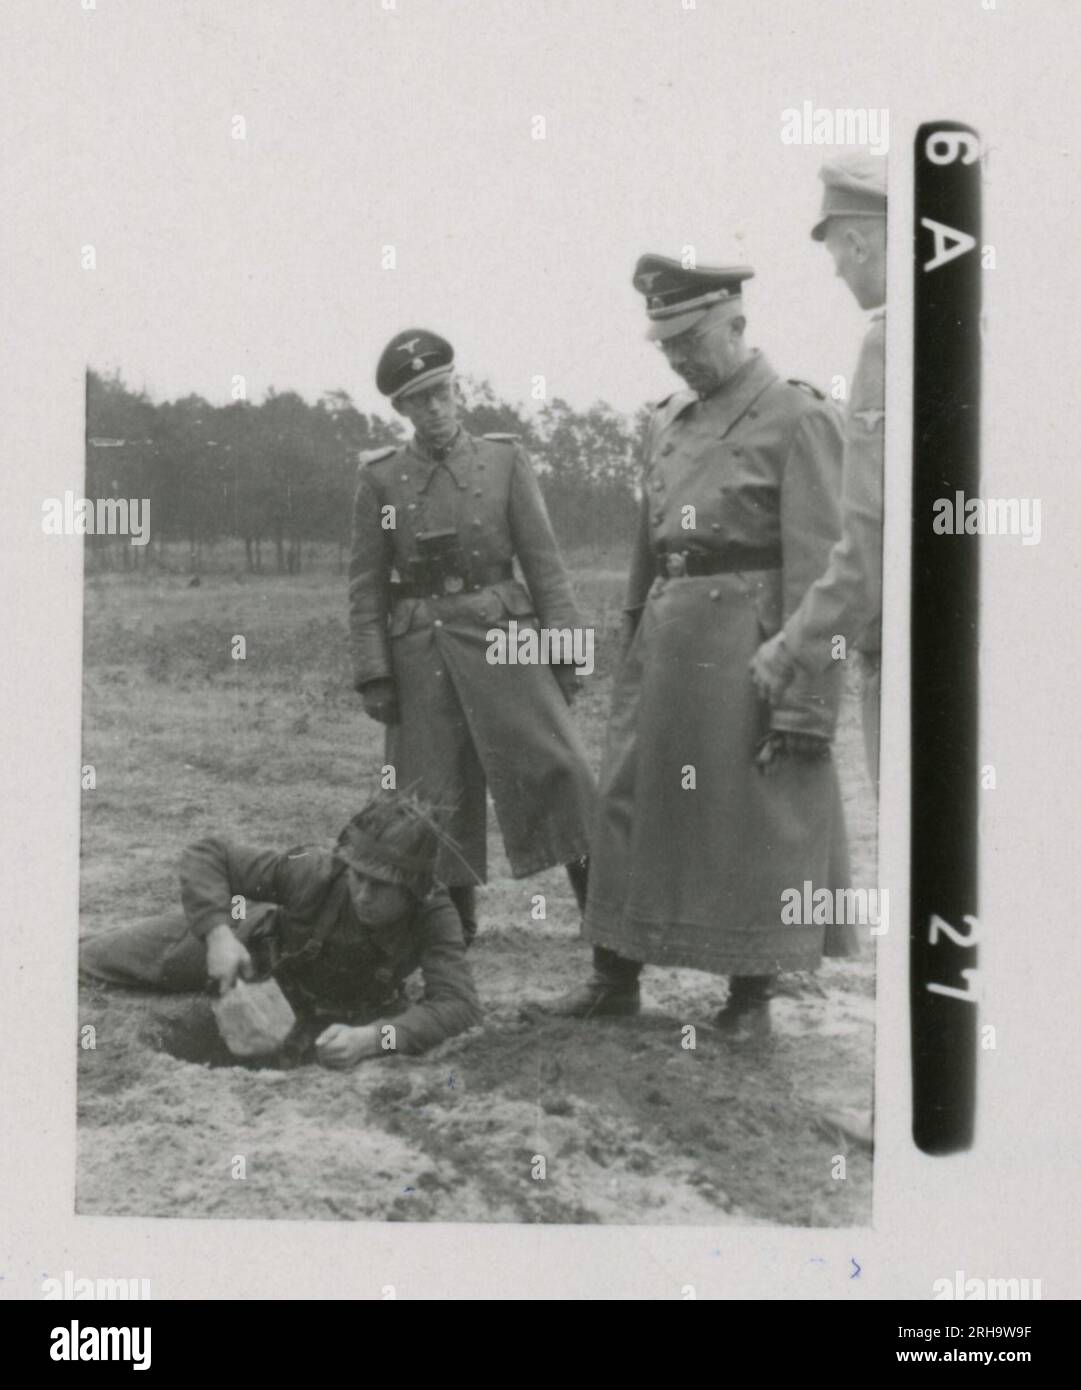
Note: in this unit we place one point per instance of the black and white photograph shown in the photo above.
(538, 678)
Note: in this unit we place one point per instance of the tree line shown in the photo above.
(279, 475)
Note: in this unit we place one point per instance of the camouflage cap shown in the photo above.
(394, 838)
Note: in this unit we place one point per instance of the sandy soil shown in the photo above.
(632, 1126)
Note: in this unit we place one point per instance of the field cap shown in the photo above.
(854, 186)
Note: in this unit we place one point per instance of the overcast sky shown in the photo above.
(412, 127)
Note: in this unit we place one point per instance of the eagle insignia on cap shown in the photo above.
(413, 358)
(678, 295)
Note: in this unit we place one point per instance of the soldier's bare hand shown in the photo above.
(340, 1046)
(772, 669)
(226, 958)
(381, 701)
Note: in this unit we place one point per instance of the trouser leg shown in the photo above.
(464, 898)
(155, 953)
(578, 873)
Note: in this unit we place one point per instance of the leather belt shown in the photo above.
(691, 564)
(448, 585)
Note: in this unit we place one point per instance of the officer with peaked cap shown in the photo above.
(847, 600)
(338, 929)
(437, 525)
(710, 802)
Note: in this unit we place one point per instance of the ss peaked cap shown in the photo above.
(678, 296)
(413, 358)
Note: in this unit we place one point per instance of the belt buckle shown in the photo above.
(676, 565)
(453, 584)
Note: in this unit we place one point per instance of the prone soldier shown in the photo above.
(338, 931)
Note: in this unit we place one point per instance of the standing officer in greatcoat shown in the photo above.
(846, 602)
(437, 526)
(712, 802)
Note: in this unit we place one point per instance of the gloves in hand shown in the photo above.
(778, 744)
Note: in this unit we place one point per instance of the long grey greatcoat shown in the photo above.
(466, 723)
(694, 877)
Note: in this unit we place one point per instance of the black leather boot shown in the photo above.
(578, 873)
(745, 1017)
(610, 992)
(464, 898)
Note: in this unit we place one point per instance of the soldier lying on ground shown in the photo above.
(339, 930)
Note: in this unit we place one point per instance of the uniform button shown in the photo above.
(412, 507)
(438, 622)
(476, 554)
(439, 673)
(476, 521)
(405, 477)
(714, 593)
(461, 487)
(714, 525)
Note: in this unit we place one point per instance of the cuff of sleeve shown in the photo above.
(798, 653)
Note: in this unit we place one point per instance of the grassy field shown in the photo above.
(275, 749)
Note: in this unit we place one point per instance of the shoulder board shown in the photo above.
(806, 386)
(374, 455)
(503, 438)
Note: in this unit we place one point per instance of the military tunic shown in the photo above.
(693, 846)
(467, 724)
(847, 600)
